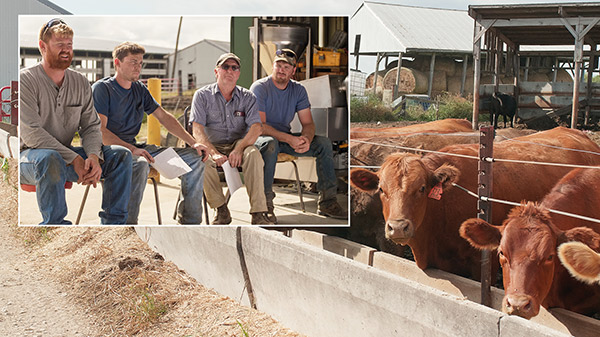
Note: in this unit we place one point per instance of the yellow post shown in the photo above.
(153, 124)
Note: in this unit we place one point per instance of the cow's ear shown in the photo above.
(581, 261)
(480, 234)
(446, 175)
(364, 180)
(582, 234)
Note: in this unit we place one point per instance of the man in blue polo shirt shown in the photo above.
(121, 102)
(279, 98)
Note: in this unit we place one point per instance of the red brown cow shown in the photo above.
(366, 212)
(430, 226)
(581, 260)
(367, 151)
(441, 126)
(527, 243)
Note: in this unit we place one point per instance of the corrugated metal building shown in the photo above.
(93, 57)
(392, 31)
(195, 64)
(9, 51)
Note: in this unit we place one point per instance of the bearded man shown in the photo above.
(56, 102)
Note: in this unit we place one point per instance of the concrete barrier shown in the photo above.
(320, 293)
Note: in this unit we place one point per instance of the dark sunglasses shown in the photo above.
(51, 23)
(227, 66)
(287, 53)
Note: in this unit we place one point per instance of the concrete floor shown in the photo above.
(287, 206)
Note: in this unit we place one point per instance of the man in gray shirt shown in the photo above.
(225, 118)
(56, 102)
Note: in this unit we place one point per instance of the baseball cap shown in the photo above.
(228, 56)
(286, 55)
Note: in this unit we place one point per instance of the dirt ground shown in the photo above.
(104, 282)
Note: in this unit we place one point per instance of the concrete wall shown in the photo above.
(319, 293)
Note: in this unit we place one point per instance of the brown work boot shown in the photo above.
(333, 210)
(223, 217)
(271, 214)
(260, 218)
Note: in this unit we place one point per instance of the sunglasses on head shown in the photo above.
(51, 23)
(287, 53)
(227, 66)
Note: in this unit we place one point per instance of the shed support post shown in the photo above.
(478, 33)
(484, 208)
(590, 75)
(397, 84)
(376, 73)
(578, 59)
(431, 68)
(464, 75)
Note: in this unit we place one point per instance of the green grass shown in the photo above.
(370, 109)
(242, 327)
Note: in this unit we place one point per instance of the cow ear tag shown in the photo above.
(436, 192)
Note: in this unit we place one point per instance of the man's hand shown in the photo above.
(79, 167)
(142, 153)
(300, 144)
(202, 150)
(93, 171)
(219, 158)
(88, 171)
(304, 146)
(235, 158)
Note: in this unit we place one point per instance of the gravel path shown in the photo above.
(30, 304)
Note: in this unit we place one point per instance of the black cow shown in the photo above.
(502, 104)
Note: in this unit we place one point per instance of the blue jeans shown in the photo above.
(47, 170)
(320, 147)
(189, 209)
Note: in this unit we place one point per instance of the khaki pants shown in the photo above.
(252, 167)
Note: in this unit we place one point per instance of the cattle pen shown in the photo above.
(489, 159)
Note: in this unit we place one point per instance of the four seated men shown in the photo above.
(229, 123)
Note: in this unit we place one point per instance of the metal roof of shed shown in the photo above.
(399, 28)
(539, 24)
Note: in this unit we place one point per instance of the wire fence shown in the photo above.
(488, 159)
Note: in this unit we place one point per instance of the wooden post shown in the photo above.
(376, 74)
(485, 179)
(395, 94)
(464, 75)
(431, 69)
(477, 73)
(577, 80)
(590, 75)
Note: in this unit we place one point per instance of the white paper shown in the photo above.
(232, 177)
(169, 164)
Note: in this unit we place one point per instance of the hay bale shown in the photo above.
(411, 80)
(454, 85)
(563, 76)
(447, 65)
(370, 80)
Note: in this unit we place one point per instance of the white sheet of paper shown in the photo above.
(169, 164)
(232, 177)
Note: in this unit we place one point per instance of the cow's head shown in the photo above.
(403, 183)
(526, 244)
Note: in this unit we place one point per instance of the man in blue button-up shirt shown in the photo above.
(225, 118)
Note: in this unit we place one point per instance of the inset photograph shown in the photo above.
(230, 120)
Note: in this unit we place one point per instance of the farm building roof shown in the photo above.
(399, 28)
(540, 24)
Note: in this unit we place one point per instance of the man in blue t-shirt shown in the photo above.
(121, 102)
(279, 98)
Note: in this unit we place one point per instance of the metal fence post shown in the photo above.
(484, 208)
